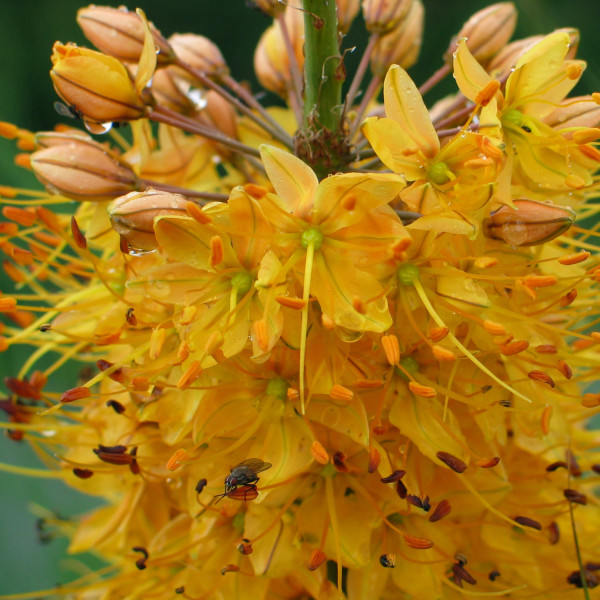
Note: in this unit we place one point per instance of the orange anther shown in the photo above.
(196, 212)
(488, 463)
(216, 251)
(443, 354)
(546, 415)
(23, 217)
(587, 135)
(319, 453)
(188, 314)
(417, 543)
(488, 92)
(536, 281)
(494, 328)
(75, 394)
(289, 302)
(215, 340)
(564, 368)
(177, 459)
(590, 400)
(339, 392)
(8, 130)
(358, 305)
(391, 348)
(437, 334)
(317, 558)
(349, 201)
(261, 334)
(140, 384)
(595, 335)
(573, 71)
(368, 384)
(48, 218)
(191, 374)
(256, 191)
(514, 347)
(568, 298)
(541, 376)
(292, 394)
(374, 460)
(546, 349)
(23, 160)
(423, 391)
(157, 340)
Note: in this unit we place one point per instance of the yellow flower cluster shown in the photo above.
(363, 383)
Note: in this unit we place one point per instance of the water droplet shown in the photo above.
(97, 128)
(138, 251)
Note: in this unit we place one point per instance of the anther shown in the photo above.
(564, 368)
(424, 391)
(140, 563)
(374, 460)
(456, 464)
(78, 237)
(73, 394)
(395, 476)
(82, 473)
(289, 302)
(391, 348)
(130, 317)
(261, 334)
(574, 496)
(339, 462)
(319, 453)
(317, 558)
(217, 251)
(191, 374)
(417, 543)
(527, 522)
(441, 510)
(488, 463)
(200, 485)
(573, 259)
(245, 547)
(339, 392)
(116, 406)
(541, 376)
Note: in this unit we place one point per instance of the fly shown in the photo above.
(244, 474)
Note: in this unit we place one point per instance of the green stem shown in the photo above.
(323, 68)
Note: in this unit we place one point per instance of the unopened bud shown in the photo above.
(346, 13)
(508, 56)
(169, 90)
(199, 53)
(221, 114)
(119, 32)
(383, 16)
(270, 7)
(529, 223)
(80, 168)
(96, 85)
(132, 216)
(272, 61)
(487, 31)
(574, 113)
(401, 46)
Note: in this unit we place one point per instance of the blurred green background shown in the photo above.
(28, 29)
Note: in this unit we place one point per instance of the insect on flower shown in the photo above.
(244, 474)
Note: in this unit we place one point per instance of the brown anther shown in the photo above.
(289, 302)
(196, 212)
(456, 464)
(116, 375)
(191, 374)
(460, 574)
(493, 575)
(442, 510)
(339, 392)
(558, 464)
(114, 455)
(116, 406)
(317, 558)
(573, 259)
(130, 317)
(553, 533)
(387, 560)
(527, 522)
(573, 465)
(575, 497)
(568, 298)
(200, 485)
(443, 354)
(590, 400)
(78, 237)
(245, 547)
(395, 476)
(217, 251)
(180, 589)
(261, 334)
(73, 394)
(140, 563)
(437, 334)
(22, 388)
(591, 580)
(514, 347)
(38, 379)
(541, 376)
(319, 453)
(230, 568)
(424, 391)
(374, 460)
(546, 349)
(82, 473)
(401, 490)
(416, 542)
(339, 462)
(245, 493)
(488, 463)
(391, 347)
(596, 468)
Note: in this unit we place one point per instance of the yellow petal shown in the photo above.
(395, 148)
(404, 104)
(293, 180)
(147, 62)
(470, 76)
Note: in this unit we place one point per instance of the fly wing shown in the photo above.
(255, 465)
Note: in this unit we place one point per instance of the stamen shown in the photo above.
(317, 558)
(339, 392)
(527, 522)
(319, 453)
(456, 464)
(417, 543)
(541, 376)
(424, 391)
(442, 510)
(191, 374)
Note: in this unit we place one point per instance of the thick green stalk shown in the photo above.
(323, 67)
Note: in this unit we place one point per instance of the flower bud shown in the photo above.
(119, 32)
(574, 112)
(271, 60)
(79, 168)
(220, 113)
(383, 16)
(487, 31)
(529, 223)
(132, 216)
(346, 13)
(509, 55)
(96, 85)
(198, 52)
(169, 90)
(402, 45)
(270, 7)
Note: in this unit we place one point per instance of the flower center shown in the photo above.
(311, 237)
(439, 173)
(242, 281)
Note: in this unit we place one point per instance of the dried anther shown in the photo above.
(493, 575)
(456, 464)
(339, 461)
(416, 501)
(395, 476)
(527, 522)
(387, 560)
(559, 464)
(575, 496)
(140, 563)
(114, 455)
(82, 473)
(116, 406)
(591, 579)
(441, 510)
(401, 489)
(245, 547)
(460, 574)
(200, 485)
